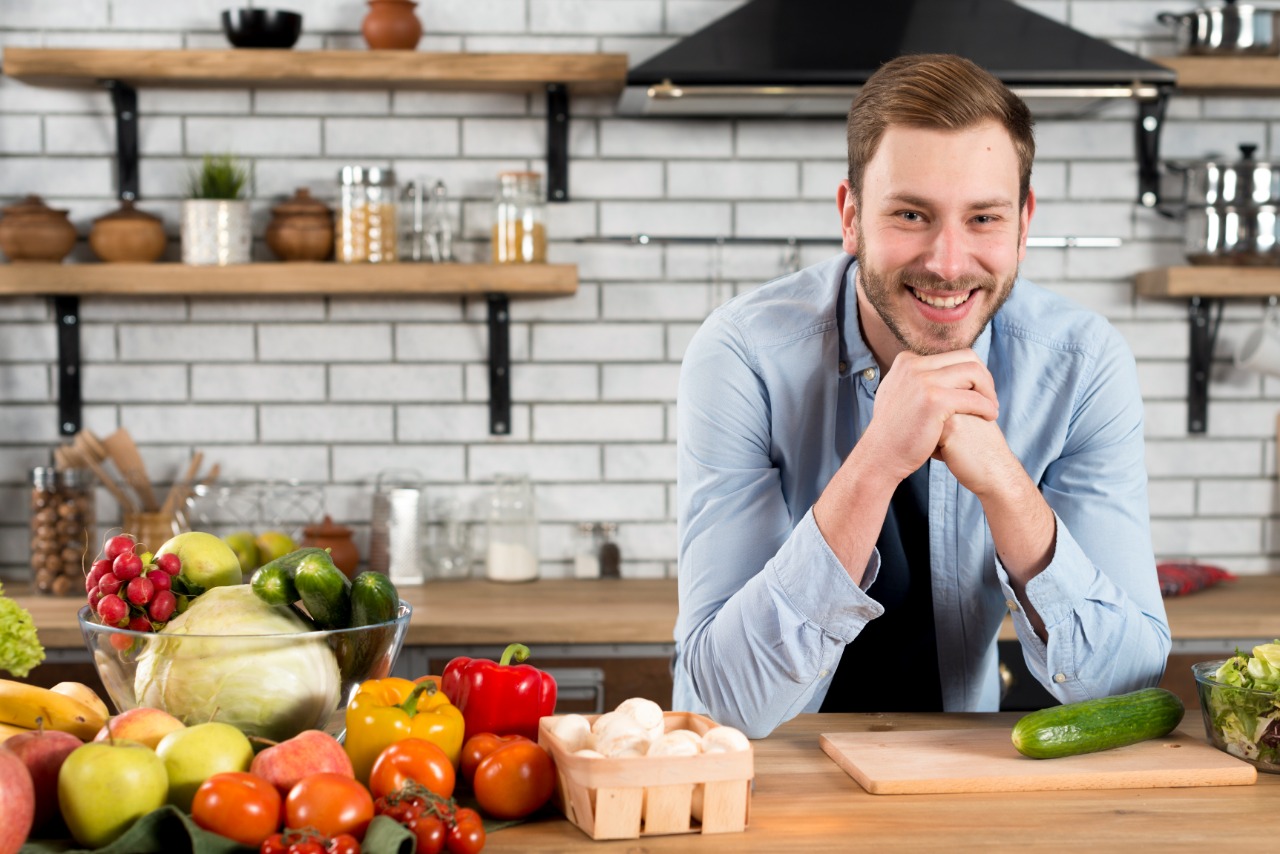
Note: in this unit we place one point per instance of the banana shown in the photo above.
(7, 730)
(25, 705)
(85, 694)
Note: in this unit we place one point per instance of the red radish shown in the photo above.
(127, 566)
(170, 563)
(140, 590)
(109, 583)
(112, 610)
(163, 606)
(161, 579)
(118, 545)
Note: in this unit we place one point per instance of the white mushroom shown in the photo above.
(623, 741)
(679, 742)
(592, 754)
(724, 739)
(603, 722)
(647, 713)
(574, 731)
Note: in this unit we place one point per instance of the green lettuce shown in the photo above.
(20, 649)
(1249, 720)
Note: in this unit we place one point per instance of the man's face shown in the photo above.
(938, 235)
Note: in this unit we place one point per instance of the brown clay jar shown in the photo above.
(127, 235)
(301, 228)
(337, 539)
(391, 25)
(32, 231)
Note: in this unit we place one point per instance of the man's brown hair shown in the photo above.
(941, 91)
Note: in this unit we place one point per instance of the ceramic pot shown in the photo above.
(215, 232)
(301, 229)
(391, 25)
(337, 539)
(32, 231)
(128, 235)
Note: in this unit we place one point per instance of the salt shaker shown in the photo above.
(513, 531)
(586, 557)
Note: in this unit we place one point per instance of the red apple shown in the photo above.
(43, 752)
(19, 798)
(309, 752)
(143, 725)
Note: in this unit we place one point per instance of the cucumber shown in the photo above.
(374, 599)
(1091, 725)
(274, 585)
(325, 591)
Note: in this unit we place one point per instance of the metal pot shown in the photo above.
(1230, 209)
(1230, 29)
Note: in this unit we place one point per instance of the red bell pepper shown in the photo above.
(498, 696)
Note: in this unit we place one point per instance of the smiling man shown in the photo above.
(882, 455)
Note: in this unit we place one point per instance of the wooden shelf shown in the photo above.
(583, 73)
(1211, 282)
(1225, 74)
(292, 278)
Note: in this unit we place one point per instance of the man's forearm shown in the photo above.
(851, 511)
(1024, 531)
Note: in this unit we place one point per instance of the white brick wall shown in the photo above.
(331, 391)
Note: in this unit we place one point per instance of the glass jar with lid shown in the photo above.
(519, 228)
(512, 527)
(366, 215)
(62, 529)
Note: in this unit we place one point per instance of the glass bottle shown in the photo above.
(519, 230)
(367, 216)
(512, 528)
(62, 529)
(610, 554)
(449, 541)
(439, 229)
(586, 554)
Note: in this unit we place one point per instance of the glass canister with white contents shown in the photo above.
(512, 528)
(366, 226)
(519, 227)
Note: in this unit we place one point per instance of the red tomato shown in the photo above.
(514, 780)
(344, 843)
(466, 834)
(478, 747)
(306, 847)
(430, 832)
(239, 806)
(331, 803)
(274, 844)
(412, 759)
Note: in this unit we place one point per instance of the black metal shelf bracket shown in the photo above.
(499, 365)
(125, 100)
(557, 142)
(1147, 140)
(1204, 332)
(66, 310)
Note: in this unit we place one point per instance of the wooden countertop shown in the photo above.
(803, 801)
(549, 611)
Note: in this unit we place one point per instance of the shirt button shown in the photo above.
(1059, 678)
(869, 374)
(844, 366)
(1011, 604)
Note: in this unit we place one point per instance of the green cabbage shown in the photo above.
(233, 658)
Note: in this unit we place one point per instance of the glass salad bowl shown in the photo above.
(1244, 722)
(269, 685)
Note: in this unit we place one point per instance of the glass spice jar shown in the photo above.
(62, 529)
(366, 227)
(519, 229)
(513, 531)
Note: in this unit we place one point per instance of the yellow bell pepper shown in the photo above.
(384, 711)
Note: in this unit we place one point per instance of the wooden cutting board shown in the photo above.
(984, 760)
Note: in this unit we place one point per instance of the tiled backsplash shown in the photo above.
(330, 391)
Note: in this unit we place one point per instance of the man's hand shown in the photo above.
(977, 454)
(919, 396)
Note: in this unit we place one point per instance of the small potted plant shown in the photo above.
(215, 219)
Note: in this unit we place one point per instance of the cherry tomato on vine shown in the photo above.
(466, 833)
(307, 847)
(514, 780)
(412, 759)
(430, 832)
(344, 843)
(331, 803)
(238, 805)
(478, 747)
(274, 844)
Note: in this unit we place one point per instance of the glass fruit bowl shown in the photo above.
(268, 685)
(1244, 722)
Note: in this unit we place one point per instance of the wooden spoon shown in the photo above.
(74, 457)
(181, 488)
(124, 453)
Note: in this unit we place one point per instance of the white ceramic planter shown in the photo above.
(215, 232)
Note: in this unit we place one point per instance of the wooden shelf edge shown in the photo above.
(1224, 74)
(584, 73)
(1206, 281)
(301, 279)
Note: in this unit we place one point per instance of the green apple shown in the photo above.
(206, 560)
(274, 544)
(105, 786)
(195, 754)
(246, 549)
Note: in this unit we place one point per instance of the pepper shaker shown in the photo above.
(610, 554)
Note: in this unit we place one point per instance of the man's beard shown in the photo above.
(881, 288)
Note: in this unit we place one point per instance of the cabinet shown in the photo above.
(121, 71)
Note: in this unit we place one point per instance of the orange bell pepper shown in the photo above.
(384, 711)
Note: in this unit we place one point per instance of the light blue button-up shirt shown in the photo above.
(775, 389)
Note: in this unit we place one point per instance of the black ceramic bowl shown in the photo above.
(261, 27)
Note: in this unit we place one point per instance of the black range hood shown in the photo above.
(808, 57)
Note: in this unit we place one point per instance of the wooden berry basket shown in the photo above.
(634, 796)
